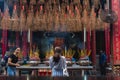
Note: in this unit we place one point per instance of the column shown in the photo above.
(24, 44)
(17, 39)
(93, 46)
(116, 33)
(107, 42)
(4, 41)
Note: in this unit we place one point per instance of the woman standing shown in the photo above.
(12, 63)
(57, 62)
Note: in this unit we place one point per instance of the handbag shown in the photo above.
(65, 72)
(3, 63)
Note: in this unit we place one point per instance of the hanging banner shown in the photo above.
(116, 33)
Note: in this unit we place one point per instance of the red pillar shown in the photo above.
(107, 42)
(116, 33)
(4, 42)
(17, 39)
(24, 43)
(93, 44)
(88, 40)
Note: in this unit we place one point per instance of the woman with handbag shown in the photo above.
(58, 63)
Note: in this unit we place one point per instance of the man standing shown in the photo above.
(12, 63)
(102, 62)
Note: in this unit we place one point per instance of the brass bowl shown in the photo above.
(33, 63)
(46, 62)
(69, 63)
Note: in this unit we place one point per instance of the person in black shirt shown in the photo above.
(12, 63)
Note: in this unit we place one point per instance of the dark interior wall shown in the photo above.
(11, 39)
(45, 40)
(11, 36)
(42, 42)
(100, 41)
(70, 38)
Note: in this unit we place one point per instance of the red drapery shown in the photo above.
(107, 42)
(24, 43)
(4, 42)
(93, 44)
(116, 33)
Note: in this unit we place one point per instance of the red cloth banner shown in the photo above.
(93, 44)
(107, 42)
(4, 42)
(24, 43)
(116, 33)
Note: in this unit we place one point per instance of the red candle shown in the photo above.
(49, 72)
(40, 72)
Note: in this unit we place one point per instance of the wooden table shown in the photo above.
(29, 68)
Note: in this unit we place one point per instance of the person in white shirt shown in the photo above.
(57, 62)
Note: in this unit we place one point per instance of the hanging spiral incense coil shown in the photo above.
(6, 23)
(15, 20)
(32, 2)
(53, 15)
(22, 20)
(92, 19)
